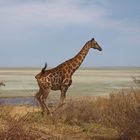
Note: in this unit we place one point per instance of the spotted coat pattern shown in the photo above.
(60, 77)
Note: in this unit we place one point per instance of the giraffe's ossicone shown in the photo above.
(60, 77)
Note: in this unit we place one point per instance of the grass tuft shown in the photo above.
(116, 117)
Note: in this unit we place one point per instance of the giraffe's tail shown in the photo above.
(42, 72)
(43, 69)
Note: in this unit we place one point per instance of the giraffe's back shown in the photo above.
(52, 78)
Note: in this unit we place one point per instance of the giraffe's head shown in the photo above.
(94, 44)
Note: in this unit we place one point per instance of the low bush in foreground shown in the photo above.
(116, 117)
(119, 111)
(123, 114)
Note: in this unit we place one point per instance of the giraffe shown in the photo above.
(2, 84)
(60, 77)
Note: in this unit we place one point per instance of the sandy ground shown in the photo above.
(86, 82)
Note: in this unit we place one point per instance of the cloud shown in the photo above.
(51, 13)
(59, 12)
(26, 26)
(18, 16)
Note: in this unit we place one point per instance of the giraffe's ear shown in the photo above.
(43, 69)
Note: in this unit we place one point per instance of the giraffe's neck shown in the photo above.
(77, 60)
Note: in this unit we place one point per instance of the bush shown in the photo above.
(118, 112)
(17, 128)
(76, 112)
(122, 112)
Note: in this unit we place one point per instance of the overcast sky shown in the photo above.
(35, 31)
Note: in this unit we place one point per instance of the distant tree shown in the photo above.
(136, 80)
(2, 84)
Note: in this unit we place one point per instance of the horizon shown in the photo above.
(83, 67)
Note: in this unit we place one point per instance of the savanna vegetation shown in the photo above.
(113, 117)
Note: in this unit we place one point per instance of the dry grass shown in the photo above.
(101, 118)
(120, 112)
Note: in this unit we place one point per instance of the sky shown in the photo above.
(33, 32)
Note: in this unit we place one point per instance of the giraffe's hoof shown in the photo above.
(43, 113)
(60, 105)
(51, 114)
(46, 114)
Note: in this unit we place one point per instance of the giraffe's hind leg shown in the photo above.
(41, 96)
(38, 97)
(43, 100)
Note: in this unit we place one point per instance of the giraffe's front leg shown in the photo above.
(62, 97)
(66, 84)
(63, 94)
